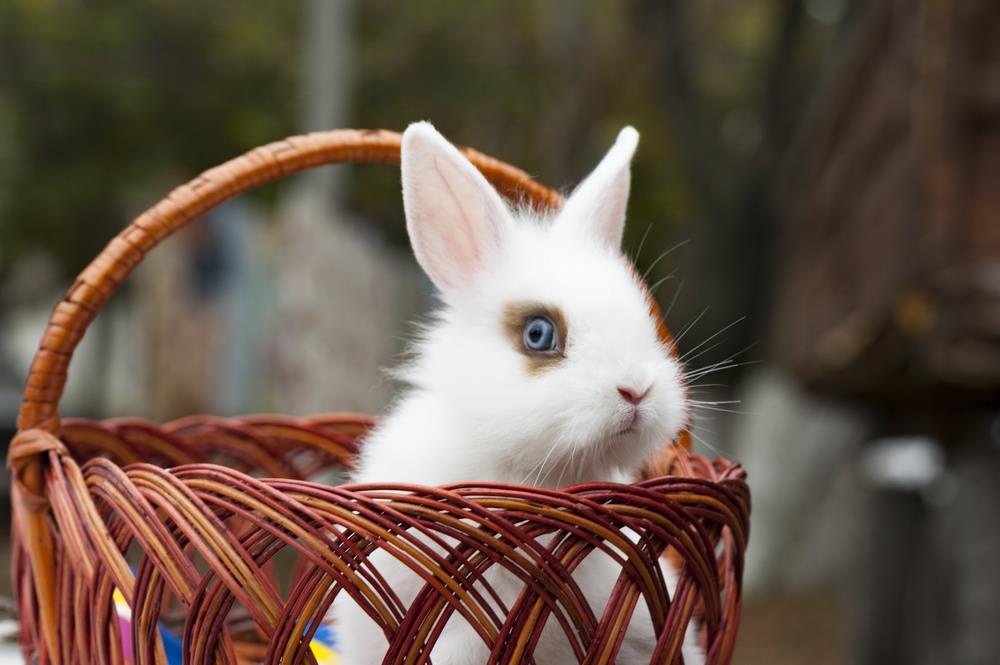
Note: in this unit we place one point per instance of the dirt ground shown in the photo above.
(793, 630)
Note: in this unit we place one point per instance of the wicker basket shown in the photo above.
(188, 520)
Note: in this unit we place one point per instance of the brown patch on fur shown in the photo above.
(517, 315)
(654, 309)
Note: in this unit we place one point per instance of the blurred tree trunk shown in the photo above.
(737, 223)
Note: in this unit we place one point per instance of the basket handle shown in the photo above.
(98, 281)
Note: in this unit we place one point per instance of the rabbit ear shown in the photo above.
(597, 206)
(455, 218)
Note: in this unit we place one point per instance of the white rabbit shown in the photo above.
(542, 367)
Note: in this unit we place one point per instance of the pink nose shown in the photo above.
(632, 396)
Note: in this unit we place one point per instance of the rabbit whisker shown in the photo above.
(705, 407)
(673, 301)
(541, 468)
(711, 369)
(662, 256)
(660, 281)
(642, 241)
(689, 326)
(711, 337)
(705, 443)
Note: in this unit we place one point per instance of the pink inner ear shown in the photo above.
(463, 241)
(449, 258)
(453, 215)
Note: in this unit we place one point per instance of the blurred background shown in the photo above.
(816, 192)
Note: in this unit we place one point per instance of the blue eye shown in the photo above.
(540, 335)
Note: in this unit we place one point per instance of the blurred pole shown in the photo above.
(895, 586)
(970, 541)
(327, 77)
(338, 290)
(928, 573)
(887, 579)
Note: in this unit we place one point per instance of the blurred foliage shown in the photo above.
(101, 102)
(105, 105)
(716, 88)
(545, 86)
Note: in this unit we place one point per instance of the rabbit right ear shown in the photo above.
(455, 218)
(597, 206)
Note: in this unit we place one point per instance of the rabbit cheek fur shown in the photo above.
(482, 406)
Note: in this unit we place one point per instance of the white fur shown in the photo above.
(475, 413)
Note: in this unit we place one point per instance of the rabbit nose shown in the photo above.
(631, 395)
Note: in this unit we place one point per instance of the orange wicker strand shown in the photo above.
(189, 521)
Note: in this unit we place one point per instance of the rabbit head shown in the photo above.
(544, 347)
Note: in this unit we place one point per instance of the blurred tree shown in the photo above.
(100, 102)
(716, 89)
(733, 80)
(545, 86)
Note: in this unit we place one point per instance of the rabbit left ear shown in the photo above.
(597, 206)
(456, 220)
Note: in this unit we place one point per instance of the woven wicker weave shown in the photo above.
(186, 520)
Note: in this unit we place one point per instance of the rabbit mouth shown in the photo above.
(631, 423)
